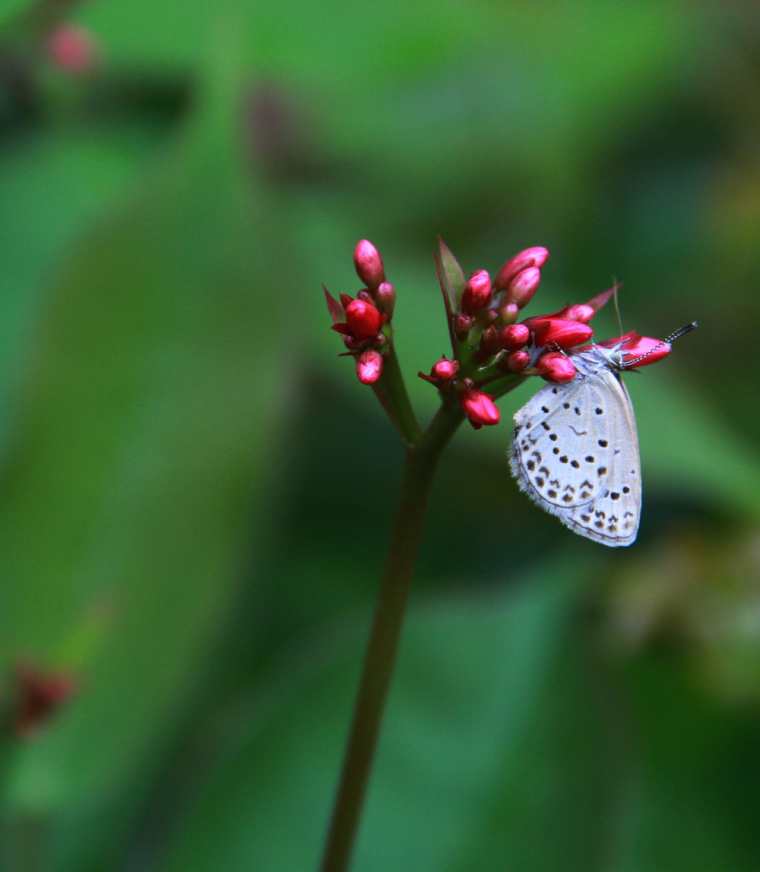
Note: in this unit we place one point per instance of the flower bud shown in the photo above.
(582, 312)
(369, 367)
(445, 369)
(529, 257)
(523, 286)
(560, 331)
(557, 367)
(477, 292)
(73, 49)
(385, 297)
(514, 336)
(479, 408)
(517, 361)
(490, 341)
(508, 313)
(40, 694)
(634, 346)
(462, 326)
(363, 319)
(369, 264)
(365, 295)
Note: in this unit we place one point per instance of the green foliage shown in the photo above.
(196, 492)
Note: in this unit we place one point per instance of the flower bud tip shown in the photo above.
(479, 408)
(369, 264)
(369, 367)
(556, 367)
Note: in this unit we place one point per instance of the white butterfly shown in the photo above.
(575, 451)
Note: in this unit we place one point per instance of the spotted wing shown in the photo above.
(562, 448)
(612, 516)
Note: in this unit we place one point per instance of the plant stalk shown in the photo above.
(380, 658)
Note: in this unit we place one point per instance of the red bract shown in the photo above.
(560, 331)
(528, 257)
(369, 367)
(477, 292)
(479, 408)
(363, 319)
(557, 367)
(515, 336)
(368, 263)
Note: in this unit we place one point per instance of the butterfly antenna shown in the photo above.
(676, 334)
(616, 304)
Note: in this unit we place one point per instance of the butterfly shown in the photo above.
(575, 449)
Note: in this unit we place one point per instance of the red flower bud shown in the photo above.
(490, 340)
(445, 369)
(369, 367)
(523, 286)
(462, 326)
(529, 257)
(557, 367)
(517, 361)
(582, 312)
(634, 346)
(40, 694)
(477, 292)
(515, 336)
(385, 297)
(368, 263)
(363, 319)
(479, 408)
(560, 331)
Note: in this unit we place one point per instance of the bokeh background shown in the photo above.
(195, 492)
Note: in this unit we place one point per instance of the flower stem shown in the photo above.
(421, 459)
(393, 396)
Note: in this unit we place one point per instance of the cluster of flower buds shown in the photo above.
(488, 341)
(361, 319)
(486, 325)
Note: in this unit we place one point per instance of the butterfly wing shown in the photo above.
(612, 517)
(575, 453)
(560, 444)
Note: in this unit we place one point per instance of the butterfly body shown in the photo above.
(575, 451)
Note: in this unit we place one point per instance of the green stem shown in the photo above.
(421, 459)
(392, 393)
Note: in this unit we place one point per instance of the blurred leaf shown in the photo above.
(142, 447)
(472, 683)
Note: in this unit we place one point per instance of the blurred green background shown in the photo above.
(195, 492)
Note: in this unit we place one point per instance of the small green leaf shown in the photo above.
(451, 280)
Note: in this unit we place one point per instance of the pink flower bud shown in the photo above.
(477, 292)
(368, 263)
(515, 336)
(445, 369)
(523, 286)
(385, 297)
(462, 326)
(479, 408)
(557, 367)
(363, 319)
(73, 49)
(365, 295)
(517, 361)
(369, 367)
(528, 257)
(560, 331)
